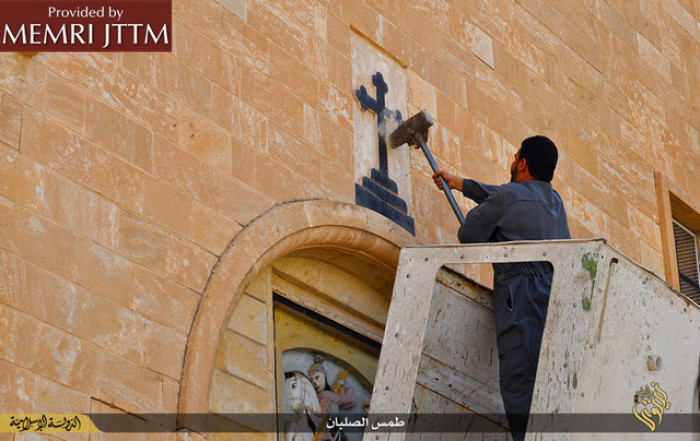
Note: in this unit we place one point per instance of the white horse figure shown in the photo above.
(304, 403)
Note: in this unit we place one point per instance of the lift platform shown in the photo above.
(620, 357)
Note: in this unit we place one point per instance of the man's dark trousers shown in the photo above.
(521, 295)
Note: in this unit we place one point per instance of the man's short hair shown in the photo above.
(541, 156)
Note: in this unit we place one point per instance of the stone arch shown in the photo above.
(282, 230)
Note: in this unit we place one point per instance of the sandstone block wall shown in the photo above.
(124, 176)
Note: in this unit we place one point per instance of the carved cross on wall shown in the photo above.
(378, 192)
(378, 106)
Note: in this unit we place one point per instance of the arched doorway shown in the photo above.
(334, 259)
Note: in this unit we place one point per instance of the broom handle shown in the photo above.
(445, 187)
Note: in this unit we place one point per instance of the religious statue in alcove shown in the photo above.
(332, 398)
(313, 400)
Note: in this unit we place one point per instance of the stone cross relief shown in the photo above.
(378, 106)
(379, 192)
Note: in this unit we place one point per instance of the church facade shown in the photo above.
(184, 233)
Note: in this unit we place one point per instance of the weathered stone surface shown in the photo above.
(54, 353)
(65, 103)
(10, 120)
(244, 358)
(189, 265)
(115, 132)
(227, 391)
(164, 350)
(162, 301)
(143, 243)
(209, 183)
(129, 385)
(249, 318)
(126, 177)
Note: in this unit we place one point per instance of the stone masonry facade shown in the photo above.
(124, 177)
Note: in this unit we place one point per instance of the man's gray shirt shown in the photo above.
(526, 210)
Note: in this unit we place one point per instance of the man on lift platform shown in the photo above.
(527, 208)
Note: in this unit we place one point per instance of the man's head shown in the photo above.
(536, 159)
(318, 379)
(318, 374)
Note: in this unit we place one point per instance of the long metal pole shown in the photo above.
(445, 188)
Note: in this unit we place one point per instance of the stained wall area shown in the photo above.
(125, 177)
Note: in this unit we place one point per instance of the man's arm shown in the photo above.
(483, 220)
(453, 181)
(474, 190)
